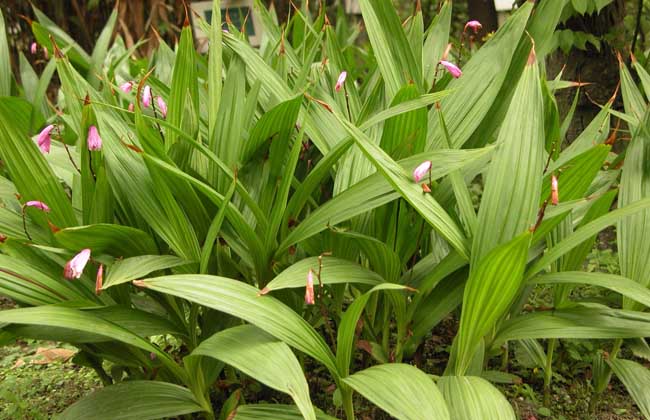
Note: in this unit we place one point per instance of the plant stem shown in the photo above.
(548, 371)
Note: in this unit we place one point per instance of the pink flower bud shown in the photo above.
(99, 280)
(162, 106)
(555, 193)
(146, 96)
(94, 141)
(131, 107)
(75, 267)
(421, 170)
(341, 80)
(309, 290)
(39, 205)
(475, 25)
(44, 140)
(126, 87)
(452, 69)
(33, 48)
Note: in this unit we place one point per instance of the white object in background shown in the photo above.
(504, 5)
(237, 10)
(352, 7)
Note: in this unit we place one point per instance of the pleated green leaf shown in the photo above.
(133, 268)
(584, 233)
(633, 232)
(435, 43)
(579, 322)
(262, 357)
(5, 60)
(184, 94)
(347, 327)
(333, 271)
(390, 45)
(510, 199)
(501, 269)
(376, 190)
(75, 319)
(27, 166)
(471, 397)
(101, 49)
(243, 301)
(273, 411)
(636, 379)
(134, 400)
(403, 391)
(117, 240)
(403, 182)
(619, 284)
(478, 87)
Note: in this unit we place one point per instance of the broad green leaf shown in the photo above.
(333, 271)
(632, 232)
(402, 181)
(273, 411)
(116, 240)
(501, 269)
(636, 379)
(510, 199)
(101, 49)
(262, 357)
(405, 135)
(478, 87)
(635, 105)
(134, 400)
(584, 233)
(85, 322)
(184, 95)
(133, 268)
(5, 60)
(403, 391)
(243, 301)
(376, 190)
(348, 326)
(471, 397)
(623, 285)
(576, 323)
(28, 167)
(435, 43)
(392, 51)
(215, 67)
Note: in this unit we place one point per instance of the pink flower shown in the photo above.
(131, 107)
(94, 141)
(452, 69)
(126, 87)
(555, 193)
(475, 25)
(309, 290)
(421, 170)
(162, 106)
(99, 280)
(33, 48)
(146, 96)
(75, 267)
(44, 140)
(39, 205)
(341, 80)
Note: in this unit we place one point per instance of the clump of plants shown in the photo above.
(193, 223)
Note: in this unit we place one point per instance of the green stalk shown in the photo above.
(548, 370)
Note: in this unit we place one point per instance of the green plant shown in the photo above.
(203, 211)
